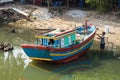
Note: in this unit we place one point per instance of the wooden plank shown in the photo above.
(3, 9)
(21, 12)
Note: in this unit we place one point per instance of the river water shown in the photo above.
(15, 65)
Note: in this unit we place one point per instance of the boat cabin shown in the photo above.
(57, 38)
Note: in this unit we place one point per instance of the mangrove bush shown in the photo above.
(102, 5)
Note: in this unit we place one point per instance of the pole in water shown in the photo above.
(13, 30)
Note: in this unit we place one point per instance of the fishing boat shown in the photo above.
(61, 46)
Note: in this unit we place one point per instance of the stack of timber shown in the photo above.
(12, 14)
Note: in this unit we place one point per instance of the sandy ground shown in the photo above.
(67, 22)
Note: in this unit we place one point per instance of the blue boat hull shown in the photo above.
(64, 54)
(37, 53)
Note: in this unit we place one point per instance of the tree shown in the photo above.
(102, 5)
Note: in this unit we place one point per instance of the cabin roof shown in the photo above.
(55, 34)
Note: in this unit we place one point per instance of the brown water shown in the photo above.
(15, 65)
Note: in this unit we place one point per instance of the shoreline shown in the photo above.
(113, 35)
(65, 22)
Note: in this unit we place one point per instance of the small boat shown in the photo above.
(61, 46)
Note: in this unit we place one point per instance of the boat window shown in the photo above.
(62, 42)
(51, 41)
(44, 41)
(70, 42)
(38, 41)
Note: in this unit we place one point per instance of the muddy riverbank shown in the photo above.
(91, 66)
(43, 19)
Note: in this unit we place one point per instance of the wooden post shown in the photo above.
(33, 2)
(67, 3)
(48, 2)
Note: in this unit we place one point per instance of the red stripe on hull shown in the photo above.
(72, 57)
(75, 46)
(57, 50)
(35, 46)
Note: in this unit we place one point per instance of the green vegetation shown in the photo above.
(102, 5)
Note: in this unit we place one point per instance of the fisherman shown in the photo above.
(102, 41)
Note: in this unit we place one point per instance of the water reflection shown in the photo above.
(93, 66)
(12, 64)
(21, 36)
(15, 65)
(55, 67)
(54, 71)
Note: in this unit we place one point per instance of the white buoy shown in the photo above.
(107, 29)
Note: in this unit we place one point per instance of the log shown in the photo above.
(21, 12)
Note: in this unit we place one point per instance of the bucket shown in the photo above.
(107, 29)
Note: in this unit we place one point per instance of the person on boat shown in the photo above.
(51, 42)
(102, 41)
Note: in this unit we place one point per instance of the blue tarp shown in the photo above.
(119, 3)
(81, 3)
